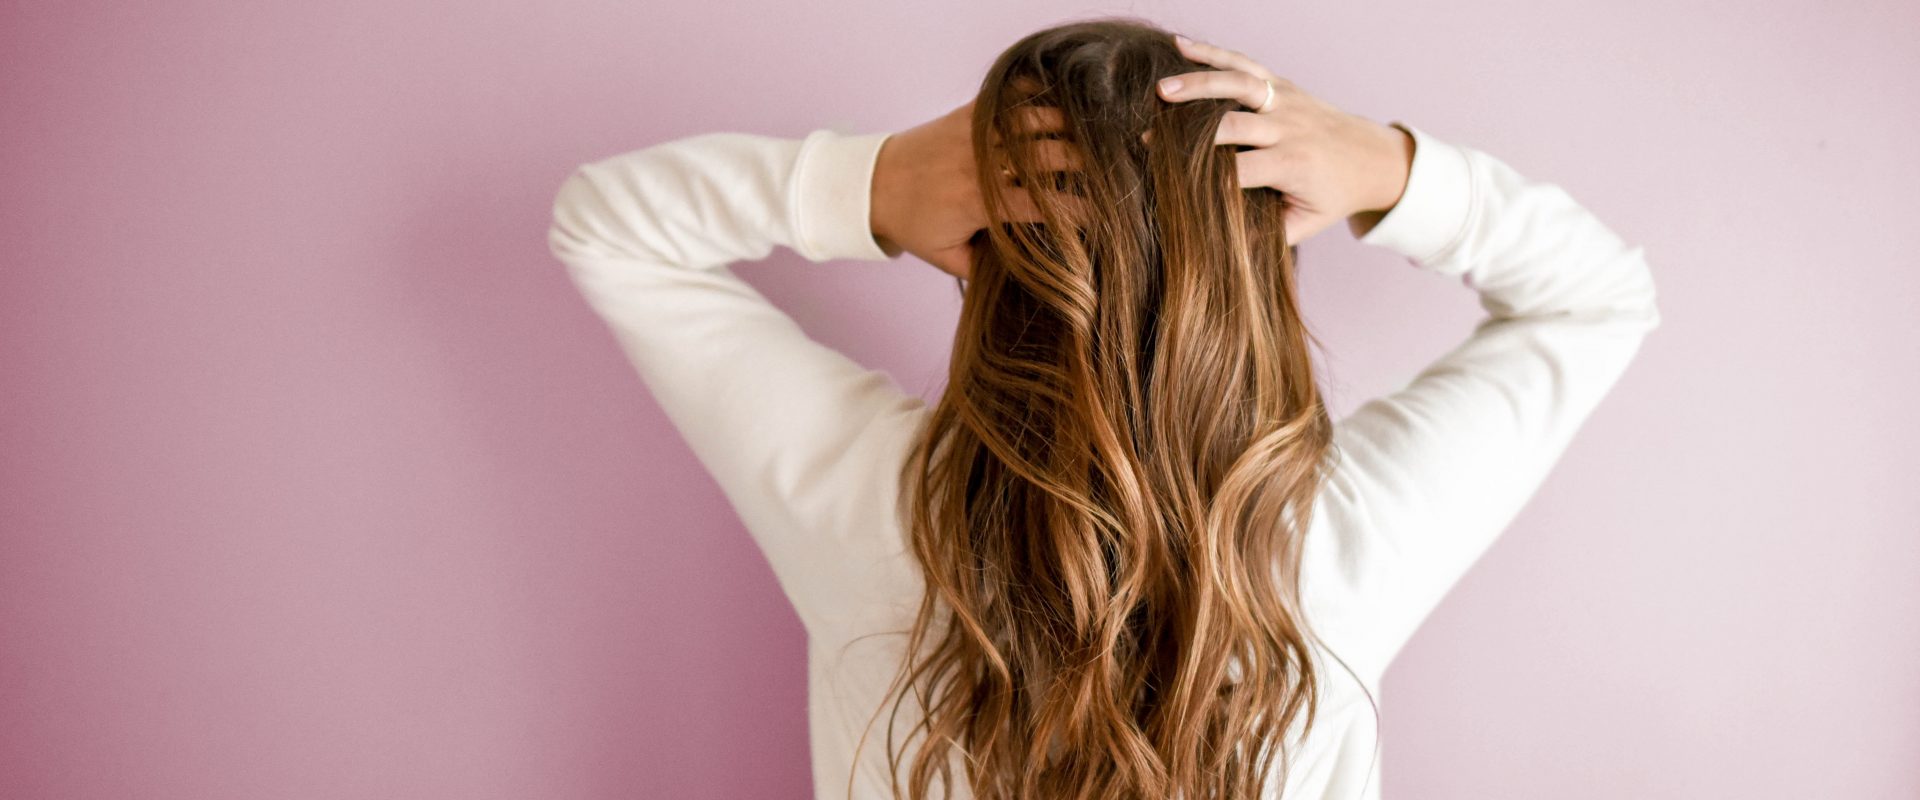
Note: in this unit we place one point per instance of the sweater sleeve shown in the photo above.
(1424, 478)
(784, 424)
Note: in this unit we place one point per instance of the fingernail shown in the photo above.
(1182, 39)
(1170, 85)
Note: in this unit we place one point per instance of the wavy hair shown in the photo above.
(1109, 499)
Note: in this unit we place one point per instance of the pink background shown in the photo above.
(318, 479)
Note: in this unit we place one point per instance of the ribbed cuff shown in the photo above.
(833, 196)
(1432, 215)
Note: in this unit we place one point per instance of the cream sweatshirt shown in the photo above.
(805, 443)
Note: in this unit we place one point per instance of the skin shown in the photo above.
(1331, 165)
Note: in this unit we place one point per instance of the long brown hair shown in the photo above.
(1108, 501)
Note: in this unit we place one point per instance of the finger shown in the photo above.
(1257, 168)
(1030, 122)
(1233, 84)
(1241, 127)
(1021, 207)
(1220, 57)
(1034, 119)
(1248, 128)
(1048, 155)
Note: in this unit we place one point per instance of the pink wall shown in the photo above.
(318, 480)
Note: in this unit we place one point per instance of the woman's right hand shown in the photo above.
(1330, 165)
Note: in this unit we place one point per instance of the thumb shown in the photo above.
(956, 260)
(1296, 221)
(1304, 223)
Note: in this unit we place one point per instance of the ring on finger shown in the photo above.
(1269, 100)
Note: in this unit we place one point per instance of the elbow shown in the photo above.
(1642, 304)
(1619, 294)
(578, 225)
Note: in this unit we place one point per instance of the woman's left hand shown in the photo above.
(926, 190)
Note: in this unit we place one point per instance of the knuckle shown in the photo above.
(1270, 128)
(1231, 127)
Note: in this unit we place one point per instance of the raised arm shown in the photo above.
(1426, 477)
(793, 431)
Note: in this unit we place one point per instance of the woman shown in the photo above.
(1127, 550)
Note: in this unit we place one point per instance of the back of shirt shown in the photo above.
(807, 444)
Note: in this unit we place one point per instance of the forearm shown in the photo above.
(1429, 475)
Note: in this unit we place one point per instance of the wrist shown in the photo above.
(880, 196)
(1394, 164)
(894, 192)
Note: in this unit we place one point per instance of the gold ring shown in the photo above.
(1263, 104)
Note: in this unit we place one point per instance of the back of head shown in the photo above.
(1109, 499)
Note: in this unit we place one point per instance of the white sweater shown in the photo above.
(806, 443)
